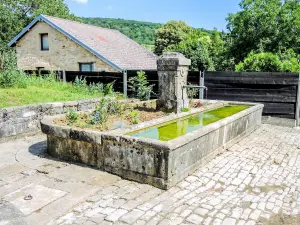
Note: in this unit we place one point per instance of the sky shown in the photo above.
(206, 14)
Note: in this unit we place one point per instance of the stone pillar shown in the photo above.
(172, 69)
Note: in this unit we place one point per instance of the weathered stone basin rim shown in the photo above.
(161, 164)
(50, 128)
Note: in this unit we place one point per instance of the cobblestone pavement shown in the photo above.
(252, 181)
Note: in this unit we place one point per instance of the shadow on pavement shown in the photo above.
(10, 215)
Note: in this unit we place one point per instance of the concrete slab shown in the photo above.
(39, 196)
(10, 215)
(79, 173)
(57, 186)
(10, 170)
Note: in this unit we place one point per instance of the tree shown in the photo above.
(264, 26)
(219, 51)
(16, 14)
(172, 33)
(196, 47)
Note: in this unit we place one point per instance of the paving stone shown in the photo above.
(255, 214)
(239, 187)
(217, 222)
(116, 215)
(195, 219)
(229, 221)
(98, 219)
(132, 216)
(202, 211)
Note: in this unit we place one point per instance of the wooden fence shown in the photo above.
(277, 91)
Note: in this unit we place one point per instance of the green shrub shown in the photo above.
(291, 65)
(140, 87)
(290, 61)
(261, 62)
(9, 74)
(286, 61)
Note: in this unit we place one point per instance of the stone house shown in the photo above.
(50, 43)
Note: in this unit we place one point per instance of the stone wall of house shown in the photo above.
(63, 54)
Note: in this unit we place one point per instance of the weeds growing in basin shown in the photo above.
(185, 109)
(72, 116)
(111, 114)
(134, 117)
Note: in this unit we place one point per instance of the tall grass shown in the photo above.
(11, 77)
(18, 88)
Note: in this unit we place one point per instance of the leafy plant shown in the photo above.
(72, 116)
(185, 109)
(106, 107)
(80, 82)
(108, 89)
(96, 88)
(134, 116)
(100, 114)
(140, 86)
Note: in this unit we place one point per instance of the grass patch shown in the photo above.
(18, 88)
(34, 95)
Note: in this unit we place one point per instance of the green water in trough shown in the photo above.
(175, 128)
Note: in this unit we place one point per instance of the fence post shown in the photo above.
(125, 83)
(201, 83)
(298, 103)
(64, 76)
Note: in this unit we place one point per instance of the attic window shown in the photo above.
(86, 67)
(44, 42)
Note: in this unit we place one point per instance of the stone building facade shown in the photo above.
(63, 53)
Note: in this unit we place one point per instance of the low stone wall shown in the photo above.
(161, 164)
(15, 121)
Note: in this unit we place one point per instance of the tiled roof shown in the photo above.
(110, 45)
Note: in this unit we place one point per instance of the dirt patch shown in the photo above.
(114, 121)
(267, 188)
(282, 219)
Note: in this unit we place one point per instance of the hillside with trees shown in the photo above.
(142, 32)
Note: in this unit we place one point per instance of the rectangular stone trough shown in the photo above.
(158, 163)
